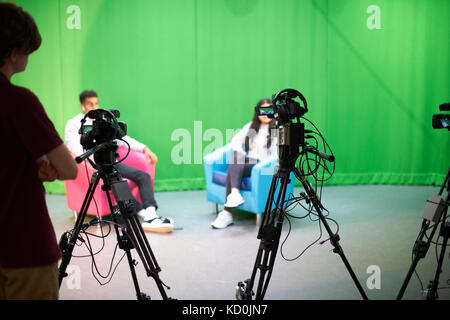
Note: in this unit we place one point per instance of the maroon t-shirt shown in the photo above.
(27, 236)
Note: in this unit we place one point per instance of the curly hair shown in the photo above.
(18, 30)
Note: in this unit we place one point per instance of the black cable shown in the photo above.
(307, 166)
(310, 211)
(88, 245)
(304, 250)
(94, 235)
(128, 152)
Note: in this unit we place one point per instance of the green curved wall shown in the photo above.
(373, 72)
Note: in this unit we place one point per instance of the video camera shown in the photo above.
(105, 128)
(284, 108)
(100, 135)
(442, 121)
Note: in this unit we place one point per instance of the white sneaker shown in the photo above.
(159, 225)
(234, 200)
(148, 213)
(223, 220)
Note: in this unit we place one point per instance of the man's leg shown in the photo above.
(144, 183)
(152, 222)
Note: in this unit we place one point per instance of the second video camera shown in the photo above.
(442, 121)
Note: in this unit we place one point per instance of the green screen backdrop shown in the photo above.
(186, 73)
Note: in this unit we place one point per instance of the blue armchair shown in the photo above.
(254, 189)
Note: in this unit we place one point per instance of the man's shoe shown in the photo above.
(223, 220)
(159, 225)
(234, 200)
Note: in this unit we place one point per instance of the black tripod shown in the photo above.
(439, 216)
(272, 221)
(131, 235)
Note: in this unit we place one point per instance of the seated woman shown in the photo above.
(250, 145)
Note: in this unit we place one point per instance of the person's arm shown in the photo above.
(134, 144)
(72, 137)
(61, 160)
(46, 171)
(151, 157)
(238, 140)
(138, 146)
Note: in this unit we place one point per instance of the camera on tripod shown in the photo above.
(295, 144)
(442, 121)
(99, 140)
(434, 218)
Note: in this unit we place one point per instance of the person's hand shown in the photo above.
(47, 171)
(151, 157)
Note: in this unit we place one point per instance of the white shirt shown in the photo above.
(72, 136)
(257, 144)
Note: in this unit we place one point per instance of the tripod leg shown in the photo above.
(126, 245)
(270, 231)
(432, 294)
(136, 235)
(67, 244)
(153, 269)
(267, 209)
(334, 238)
(420, 251)
(131, 263)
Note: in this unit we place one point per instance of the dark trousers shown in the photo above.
(240, 166)
(144, 183)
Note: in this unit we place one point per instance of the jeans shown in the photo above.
(143, 181)
(240, 166)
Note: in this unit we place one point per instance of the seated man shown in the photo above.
(146, 210)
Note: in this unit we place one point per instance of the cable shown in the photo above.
(94, 268)
(128, 151)
(314, 167)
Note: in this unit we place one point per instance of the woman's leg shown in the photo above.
(240, 167)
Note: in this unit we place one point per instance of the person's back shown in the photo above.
(23, 211)
(32, 152)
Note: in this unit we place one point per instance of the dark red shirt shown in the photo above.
(27, 236)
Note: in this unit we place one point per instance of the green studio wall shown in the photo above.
(186, 73)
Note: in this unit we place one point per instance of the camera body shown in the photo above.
(105, 128)
(284, 108)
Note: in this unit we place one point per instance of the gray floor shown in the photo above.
(377, 224)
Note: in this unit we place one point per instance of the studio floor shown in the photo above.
(378, 226)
